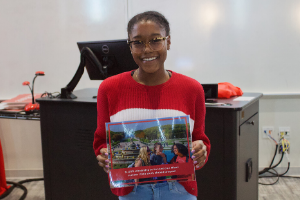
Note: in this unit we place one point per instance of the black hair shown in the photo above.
(181, 149)
(155, 145)
(149, 16)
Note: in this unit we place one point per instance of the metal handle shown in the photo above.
(251, 123)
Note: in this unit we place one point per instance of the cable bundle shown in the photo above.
(51, 95)
(285, 144)
(19, 185)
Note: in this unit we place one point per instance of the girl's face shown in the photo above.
(175, 150)
(158, 149)
(146, 31)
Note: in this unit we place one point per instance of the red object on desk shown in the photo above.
(3, 186)
(23, 98)
(227, 90)
(31, 107)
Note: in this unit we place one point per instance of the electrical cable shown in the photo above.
(270, 137)
(279, 161)
(285, 145)
(273, 176)
(280, 175)
(289, 177)
(270, 167)
(30, 180)
(19, 185)
(275, 153)
(13, 187)
(50, 95)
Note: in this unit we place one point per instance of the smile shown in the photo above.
(149, 59)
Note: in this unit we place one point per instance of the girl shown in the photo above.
(158, 157)
(143, 159)
(181, 156)
(181, 153)
(152, 91)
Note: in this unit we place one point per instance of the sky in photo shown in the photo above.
(132, 127)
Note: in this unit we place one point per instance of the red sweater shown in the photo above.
(121, 98)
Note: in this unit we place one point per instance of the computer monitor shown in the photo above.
(102, 59)
(210, 91)
(114, 56)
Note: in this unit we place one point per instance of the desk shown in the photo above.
(10, 115)
(71, 170)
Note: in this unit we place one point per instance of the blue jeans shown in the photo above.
(167, 190)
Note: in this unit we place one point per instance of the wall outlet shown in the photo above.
(285, 132)
(280, 149)
(267, 130)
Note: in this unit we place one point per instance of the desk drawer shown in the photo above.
(248, 112)
(247, 188)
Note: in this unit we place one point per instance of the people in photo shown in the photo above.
(143, 159)
(158, 157)
(181, 153)
(181, 156)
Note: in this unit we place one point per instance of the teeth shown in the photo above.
(149, 59)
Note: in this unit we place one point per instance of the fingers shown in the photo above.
(199, 158)
(103, 151)
(104, 166)
(197, 145)
(199, 153)
(106, 169)
(103, 160)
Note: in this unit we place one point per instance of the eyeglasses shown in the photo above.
(155, 44)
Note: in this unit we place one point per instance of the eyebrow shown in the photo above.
(154, 34)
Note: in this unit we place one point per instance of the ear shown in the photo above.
(169, 42)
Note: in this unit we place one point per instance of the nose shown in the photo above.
(147, 49)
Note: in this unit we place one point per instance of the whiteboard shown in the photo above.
(42, 36)
(254, 45)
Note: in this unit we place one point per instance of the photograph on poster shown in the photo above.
(149, 151)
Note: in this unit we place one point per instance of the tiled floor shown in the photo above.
(285, 189)
(35, 191)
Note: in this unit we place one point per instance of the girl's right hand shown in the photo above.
(103, 159)
(161, 154)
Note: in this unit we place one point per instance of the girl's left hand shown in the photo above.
(199, 153)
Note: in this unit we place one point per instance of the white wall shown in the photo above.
(252, 44)
(280, 111)
(43, 35)
(22, 149)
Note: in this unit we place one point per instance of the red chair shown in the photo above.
(3, 186)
